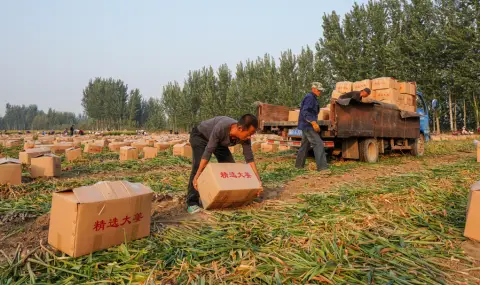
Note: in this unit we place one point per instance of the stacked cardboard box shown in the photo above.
(360, 85)
(26, 156)
(344, 86)
(408, 91)
(386, 90)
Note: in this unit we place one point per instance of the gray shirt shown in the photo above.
(217, 131)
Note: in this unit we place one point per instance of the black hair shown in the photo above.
(367, 90)
(248, 120)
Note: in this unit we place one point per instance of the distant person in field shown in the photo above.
(214, 136)
(307, 123)
(71, 131)
(356, 95)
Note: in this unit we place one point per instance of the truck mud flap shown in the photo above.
(350, 149)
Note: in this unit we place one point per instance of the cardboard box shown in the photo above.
(92, 148)
(10, 171)
(472, 224)
(256, 146)
(236, 148)
(172, 143)
(224, 185)
(72, 154)
(128, 153)
(161, 146)
(28, 145)
(139, 145)
(102, 143)
(413, 88)
(293, 115)
(410, 108)
(385, 83)
(183, 149)
(62, 147)
(409, 100)
(360, 85)
(46, 165)
(283, 148)
(115, 146)
(344, 86)
(404, 87)
(26, 156)
(324, 114)
(478, 152)
(46, 140)
(266, 147)
(336, 94)
(389, 96)
(13, 143)
(99, 216)
(150, 152)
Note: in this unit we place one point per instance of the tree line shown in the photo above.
(21, 117)
(434, 43)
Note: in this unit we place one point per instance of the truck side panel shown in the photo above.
(369, 120)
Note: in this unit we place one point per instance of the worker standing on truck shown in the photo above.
(307, 123)
(215, 136)
(356, 95)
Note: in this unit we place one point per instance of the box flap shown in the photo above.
(109, 190)
(38, 150)
(9, 160)
(475, 186)
(47, 155)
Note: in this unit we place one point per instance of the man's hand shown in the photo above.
(195, 182)
(315, 126)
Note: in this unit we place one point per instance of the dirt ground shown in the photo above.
(168, 210)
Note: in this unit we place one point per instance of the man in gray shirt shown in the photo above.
(215, 136)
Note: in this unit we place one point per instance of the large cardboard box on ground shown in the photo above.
(103, 143)
(28, 145)
(256, 146)
(172, 143)
(236, 148)
(106, 214)
(324, 114)
(472, 225)
(26, 156)
(92, 148)
(115, 146)
(360, 85)
(10, 171)
(140, 145)
(13, 143)
(266, 147)
(73, 154)
(385, 83)
(161, 146)
(62, 147)
(389, 96)
(224, 185)
(293, 115)
(150, 152)
(46, 165)
(128, 153)
(344, 86)
(183, 149)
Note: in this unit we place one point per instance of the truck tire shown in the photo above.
(418, 147)
(368, 150)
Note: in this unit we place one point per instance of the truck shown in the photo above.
(355, 130)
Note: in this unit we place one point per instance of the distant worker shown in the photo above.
(71, 131)
(81, 132)
(356, 95)
(307, 123)
(214, 136)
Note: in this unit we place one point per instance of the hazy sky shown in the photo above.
(50, 49)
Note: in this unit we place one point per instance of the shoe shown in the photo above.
(325, 172)
(193, 209)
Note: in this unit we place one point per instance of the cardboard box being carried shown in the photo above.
(293, 115)
(72, 154)
(161, 146)
(344, 86)
(91, 218)
(183, 149)
(10, 171)
(26, 156)
(224, 185)
(389, 96)
(128, 153)
(266, 147)
(472, 225)
(92, 148)
(324, 114)
(150, 152)
(46, 165)
(385, 83)
(360, 85)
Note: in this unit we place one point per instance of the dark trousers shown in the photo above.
(199, 143)
(310, 138)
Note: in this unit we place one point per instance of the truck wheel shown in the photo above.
(368, 150)
(418, 147)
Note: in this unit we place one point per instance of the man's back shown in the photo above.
(355, 95)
